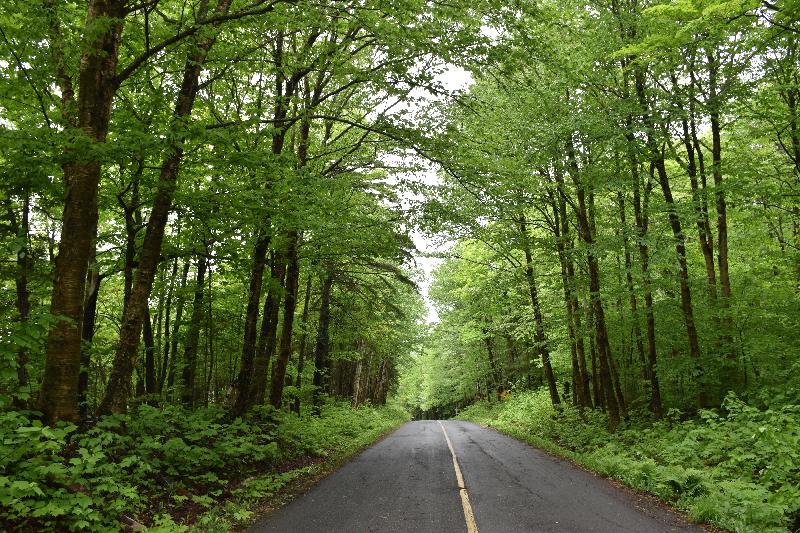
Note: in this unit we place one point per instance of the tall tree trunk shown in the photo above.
(118, 389)
(301, 358)
(323, 340)
(641, 217)
(632, 300)
(289, 305)
(162, 373)
(356, 400)
(577, 346)
(538, 318)
(791, 95)
(585, 224)
(250, 324)
(597, 386)
(694, 153)
(21, 230)
(269, 330)
(209, 338)
(149, 354)
(657, 160)
(96, 86)
(87, 336)
(193, 337)
(173, 349)
(730, 373)
(494, 371)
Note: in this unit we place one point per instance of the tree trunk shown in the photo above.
(87, 335)
(173, 349)
(641, 217)
(103, 29)
(269, 330)
(597, 387)
(632, 301)
(730, 373)
(657, 160)
(577, 347)
(538, 319)
(323, 341)
(118, 388)
(192, 339)
(149, 354)
(604, 355)
(250, 324)
(21, 230)
(166, 339)
(289, 305)
(357, 382)
(301, 358)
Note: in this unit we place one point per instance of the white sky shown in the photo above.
(453, 79)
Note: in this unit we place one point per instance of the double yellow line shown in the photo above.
(468, 516)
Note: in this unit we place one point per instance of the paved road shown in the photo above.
(409, 482)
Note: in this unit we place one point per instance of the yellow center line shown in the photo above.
(468, 516)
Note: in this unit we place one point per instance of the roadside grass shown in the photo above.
(168, 468)
(737, 468)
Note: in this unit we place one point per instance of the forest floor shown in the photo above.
(735, 468)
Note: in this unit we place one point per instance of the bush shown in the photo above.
(156, 464)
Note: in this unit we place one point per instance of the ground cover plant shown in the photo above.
(169, 467)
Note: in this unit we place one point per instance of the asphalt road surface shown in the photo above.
(410, 482)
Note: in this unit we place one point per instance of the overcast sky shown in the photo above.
(453, 79)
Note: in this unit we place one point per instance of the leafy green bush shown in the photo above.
(738, 467)
(158, 462)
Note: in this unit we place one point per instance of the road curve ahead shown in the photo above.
(410, 482)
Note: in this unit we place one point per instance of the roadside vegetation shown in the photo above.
(734, 467)
(171, 469)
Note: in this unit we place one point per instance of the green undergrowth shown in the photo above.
(737, 467)
(168, 468)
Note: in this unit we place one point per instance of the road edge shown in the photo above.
(306, 481)
(552, 449)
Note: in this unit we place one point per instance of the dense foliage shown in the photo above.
(621, 184)
(198, 219)
(169, 465)
(206, 208)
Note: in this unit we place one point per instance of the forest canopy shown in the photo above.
(208, 212)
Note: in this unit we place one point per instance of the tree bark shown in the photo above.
(641, 218)
(269, 331)
(149, 354)
(632, 300)
(577, 345)
(173, 349)
(657, 160)
(192, 339)
(162, 374)
(604, 354)
(118, 388)
(538, 318)
(289, 305)
(59, 392)
(729, 371)
(323, 341)
(21, 230)
(301, 359)
(250, 324)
